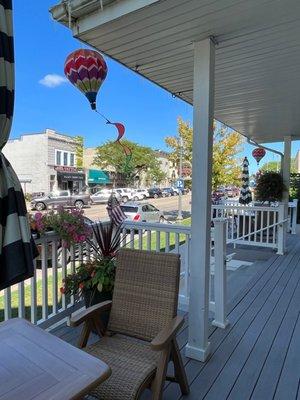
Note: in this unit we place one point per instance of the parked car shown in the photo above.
(155, 193)
(136, 196)
(144, 192)
(125, 193)
(142, 212)
(168, 192)
(232, 192)
(61, 198)
(102, 196)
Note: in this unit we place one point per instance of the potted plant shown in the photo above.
(70, 225)
(94, 279)
(269, 187)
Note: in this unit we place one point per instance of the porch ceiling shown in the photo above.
(257, 88)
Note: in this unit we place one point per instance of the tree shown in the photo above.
(79, 151)
(275, 166)
(227, 145)
(111, 155)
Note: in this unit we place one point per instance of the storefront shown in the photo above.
(69, 178)
(97, 178)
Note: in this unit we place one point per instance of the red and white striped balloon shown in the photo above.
(258, 154)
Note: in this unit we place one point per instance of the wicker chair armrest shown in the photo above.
(166, 335)
(90, 312)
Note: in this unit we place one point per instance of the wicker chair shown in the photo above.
(141, 336)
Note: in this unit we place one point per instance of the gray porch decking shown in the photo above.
(258, 355)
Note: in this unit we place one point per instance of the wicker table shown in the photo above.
(36, 364)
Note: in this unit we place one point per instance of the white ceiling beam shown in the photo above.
(110, 13)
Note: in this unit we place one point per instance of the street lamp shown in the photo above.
(180, 142)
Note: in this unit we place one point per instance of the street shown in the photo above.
(167, 204)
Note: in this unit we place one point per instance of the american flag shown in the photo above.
(114, 211)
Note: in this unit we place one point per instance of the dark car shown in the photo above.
(155, 193)
(167, 192)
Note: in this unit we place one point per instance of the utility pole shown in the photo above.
(179, 217)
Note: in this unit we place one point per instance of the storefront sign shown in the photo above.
(71, 176)
(61, 168)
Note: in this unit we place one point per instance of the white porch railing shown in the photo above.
(292, 212)
(40, 300)
(253, 225)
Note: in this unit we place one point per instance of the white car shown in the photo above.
(103, 195)
(143, 192)
(125, 193)
(142, 212)
(136, 195)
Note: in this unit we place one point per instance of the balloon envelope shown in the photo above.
(86, 70)
(258, 154)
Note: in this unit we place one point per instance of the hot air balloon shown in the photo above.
(258, 154)
(86, 70)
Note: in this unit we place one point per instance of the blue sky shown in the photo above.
(41, 46)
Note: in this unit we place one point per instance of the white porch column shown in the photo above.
(204, 54)
(286, 167)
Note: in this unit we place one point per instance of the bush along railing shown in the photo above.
(253, 225)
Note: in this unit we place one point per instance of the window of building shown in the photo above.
(65, 158)
(58, 157)
(72, 159)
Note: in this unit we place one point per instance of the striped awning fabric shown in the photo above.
(16, 245)
(245, 194)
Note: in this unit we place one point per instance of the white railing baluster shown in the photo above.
(177, 242)
(21, 300)
(140, 239)
(167, 242)
(33, 296)
(63, 274)
(220, 278)
(54, 257)
(255, 225)
(294, 216)
(44, 257)
(7, 303)
(132, 238)
(148, 239)
(157, 241)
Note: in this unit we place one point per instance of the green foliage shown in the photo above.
(227, 145)
(143, 159)
(79, 151)
(295, 186)
(269, 187)
(96, 275)
(275, 166)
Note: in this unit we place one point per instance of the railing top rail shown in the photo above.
(246, 208)
(156, 226)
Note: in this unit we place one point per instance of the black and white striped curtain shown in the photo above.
(16, 245)
(245, 194)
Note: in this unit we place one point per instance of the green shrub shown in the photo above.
(269, 187)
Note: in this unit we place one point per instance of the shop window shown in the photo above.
(65, 158)
(58, 157)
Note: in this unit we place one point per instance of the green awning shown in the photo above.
(98, 177)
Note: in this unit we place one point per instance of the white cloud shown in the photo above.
(52, 80)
